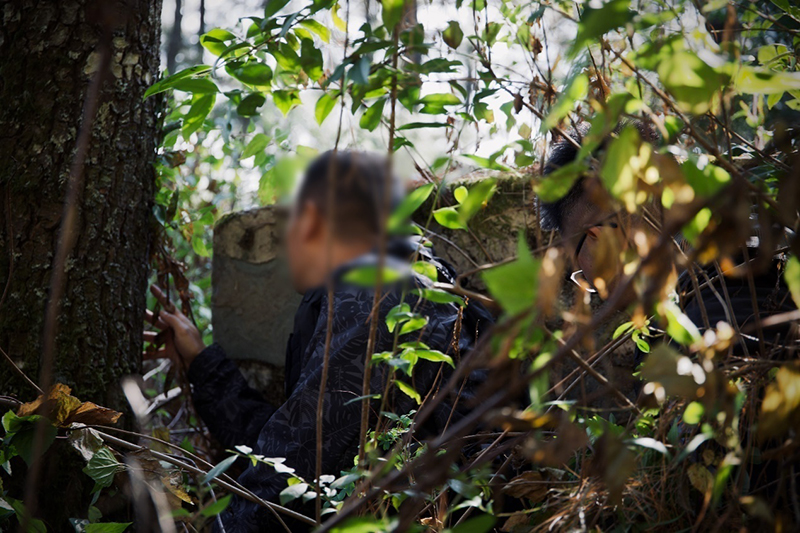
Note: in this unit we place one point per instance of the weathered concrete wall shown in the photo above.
(253, 302)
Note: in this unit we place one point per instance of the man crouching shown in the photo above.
(333, 232)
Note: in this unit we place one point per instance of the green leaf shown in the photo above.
(414, 323)
(576, 91)
(197, 72)
(439, 296)
(102, 467)
(199, 246)
(693, 413)
(692, 82)
(408, 206)
(107, 527)
(362, 524)
(453, 35)
(317, 28)
(424, 268)
(392, 13)
(324, 106)
(372, 116)
(705, 178)
(514, 285)
(286, 58)
(490, 33)
(397, 314)
(273, 6)
(435, 103)
(479, 195)
(558, 183)
(21, 431)
(460, 194)
(449, 218)
(754, 80)
(695, 227)
(214, 40)
(248, 107)
(408, 390)
(252, 72)
(485, 162)
(286, 100)
(679, 326)
(257, 145)
(595, 23)
(367, 276)
(202, 104)
(311, 59)
(621, 166)
(791, 276)
(650, 443)
(479, 524)
(435, 356)
(195, 86)
(292, 492)
(420, 125)
(345, 480)
(217, 507)
(219, 469)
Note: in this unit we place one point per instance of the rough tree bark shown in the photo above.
(50, 52)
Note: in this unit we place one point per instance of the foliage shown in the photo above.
(713, 436)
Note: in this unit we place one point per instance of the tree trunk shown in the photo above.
(51, 52)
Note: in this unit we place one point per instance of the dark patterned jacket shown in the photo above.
(237, 415)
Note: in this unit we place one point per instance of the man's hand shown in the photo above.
(179, 338)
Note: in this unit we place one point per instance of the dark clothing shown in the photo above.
(237, 415)
(769, 291)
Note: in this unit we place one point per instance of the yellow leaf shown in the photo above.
(174, 485)
(56, 407)
(700, 478)
(780, 410)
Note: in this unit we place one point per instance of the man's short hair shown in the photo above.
(364, 191)
(563, 152)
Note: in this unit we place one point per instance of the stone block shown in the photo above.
(253, 302)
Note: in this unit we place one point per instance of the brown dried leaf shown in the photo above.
(56, 407)
(555, 452)
(92, 414)
(614, 463)
(517, 522)
(529, 485)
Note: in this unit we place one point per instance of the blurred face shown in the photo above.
(301, 245)
(593, 235)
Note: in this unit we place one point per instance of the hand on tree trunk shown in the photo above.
(178, 339)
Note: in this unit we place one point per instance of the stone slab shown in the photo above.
(252, 302)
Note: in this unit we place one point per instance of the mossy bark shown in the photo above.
(51, 51)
